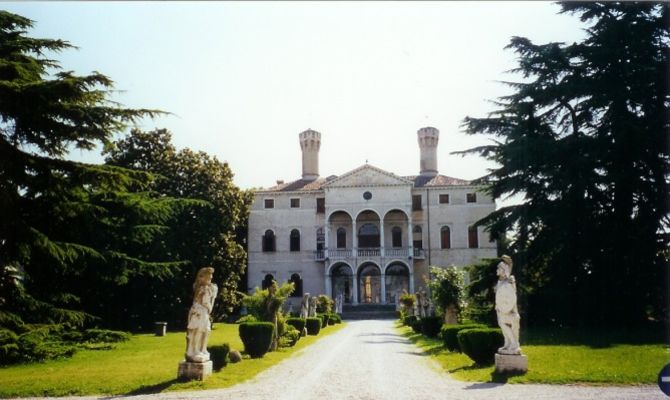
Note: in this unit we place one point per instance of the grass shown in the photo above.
(145, 364)
(555, 361)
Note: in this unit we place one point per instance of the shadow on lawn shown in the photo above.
(152, 389)
(596, 338)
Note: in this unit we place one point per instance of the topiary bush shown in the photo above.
(324, 319)
(219, 354)
(480, 344)
(257, 337)
(290, 337)
(297, 323)
(335, 319)
(430, 326)
(409, 320)
(448, 334)
(313, 326)
(416, 325)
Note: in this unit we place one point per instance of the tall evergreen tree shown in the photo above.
(584, 138)
(71, 234)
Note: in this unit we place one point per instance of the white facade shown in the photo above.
(367, 234)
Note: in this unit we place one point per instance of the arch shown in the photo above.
(329, 216)
(368, 210)
(369, 280)
(297, 284)
(267, 281)
(445, 237)
(342, 281)
(294, 240)
(396, 281)
(398, 210)
(269, 241)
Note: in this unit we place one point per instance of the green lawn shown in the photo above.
(559, 362)
(145, 364)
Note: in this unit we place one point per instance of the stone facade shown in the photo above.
(367, 234)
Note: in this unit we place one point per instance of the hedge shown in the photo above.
(297, 323)
(313, 326)
(481, 344)
(430, 326)
(417, 325)
(409, 320)
(219, 354)
(324, 319)
(257, 337)
(335, 318)
(448, 334)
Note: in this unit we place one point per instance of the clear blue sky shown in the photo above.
(244, 78)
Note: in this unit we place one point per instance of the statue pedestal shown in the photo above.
(194, 370)
(511, 363)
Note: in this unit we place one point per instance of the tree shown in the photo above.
(73, 235)
(584, 139)
(446, 289)
(203, 236)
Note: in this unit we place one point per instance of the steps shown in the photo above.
(369, 311)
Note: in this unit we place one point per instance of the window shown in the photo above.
(473, 238)
(416, 203)
(471, 197)
(320, 239)
(417, 237)
(445, 237)
(269, 203)
(267, 281)
(396, 237)
(297, 284)
(341, 238)
(295, 203)
(444, 199)
(269, 241)
(320, 205)
(294, 244)
(368, 236)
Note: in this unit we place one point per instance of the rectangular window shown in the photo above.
(473, 238)
(471, 197)
(320, 205)
(269, 203)
(295, 203)
(444, 199)
(416, 203)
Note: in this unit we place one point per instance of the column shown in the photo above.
(411, 279)
(410, 236)
(354, 239)
(329, 286)
(326, 234)
(381, 238)
(383, 288)
(354, 300)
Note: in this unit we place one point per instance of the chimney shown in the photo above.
(310, 142)
(428, 138)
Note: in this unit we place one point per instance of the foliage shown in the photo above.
(584, 140)
(449, 333)
(218, 354)
(480, 292)
(336, 318)
(446, 287)
(257, 337)
(297, 323)
(290, 337)
(246, 318)
(407, 302)
(417, 325)
(430, 326)
(256, 303)
(324, 304)
(105, 336)
(409, 320)
(313, 325)
(210, 234)
(324, 319)
(480, 344)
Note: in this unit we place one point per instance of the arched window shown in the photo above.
(297, 284)
(417, 237)
(267, 281)
(341, 238)
(368, 236)
(269, 241)
(445, 237)
(295, 240)
(320, 239)
(473, 238)
(396, 236)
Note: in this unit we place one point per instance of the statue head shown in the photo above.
(504, 270)
(203, 277)
(507, 260)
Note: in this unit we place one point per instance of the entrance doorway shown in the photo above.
(342, 282)
(369, 281)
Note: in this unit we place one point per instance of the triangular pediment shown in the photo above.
(367, 175)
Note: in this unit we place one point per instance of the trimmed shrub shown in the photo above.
(335, 318)
(416, 325)
(480, 344)
(324, 319)
(313, 326)
(409, 320)
(219, 354)
(105, 336)
(430, 326)
(297, 323)
(290, 337)
(448, 334)
(257, 337)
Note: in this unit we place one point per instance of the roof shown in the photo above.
(437, 180)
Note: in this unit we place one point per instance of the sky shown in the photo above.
(242, 79)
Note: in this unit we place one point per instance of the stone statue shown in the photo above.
(304, 306)
(340, 303)
(506, 307)
(199, 325)
(419, 304)
(427, 303)
(272, 305)
(312, 306)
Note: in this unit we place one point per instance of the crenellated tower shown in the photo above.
(310, 143)
(428, 138)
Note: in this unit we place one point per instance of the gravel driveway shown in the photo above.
(369, 360)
